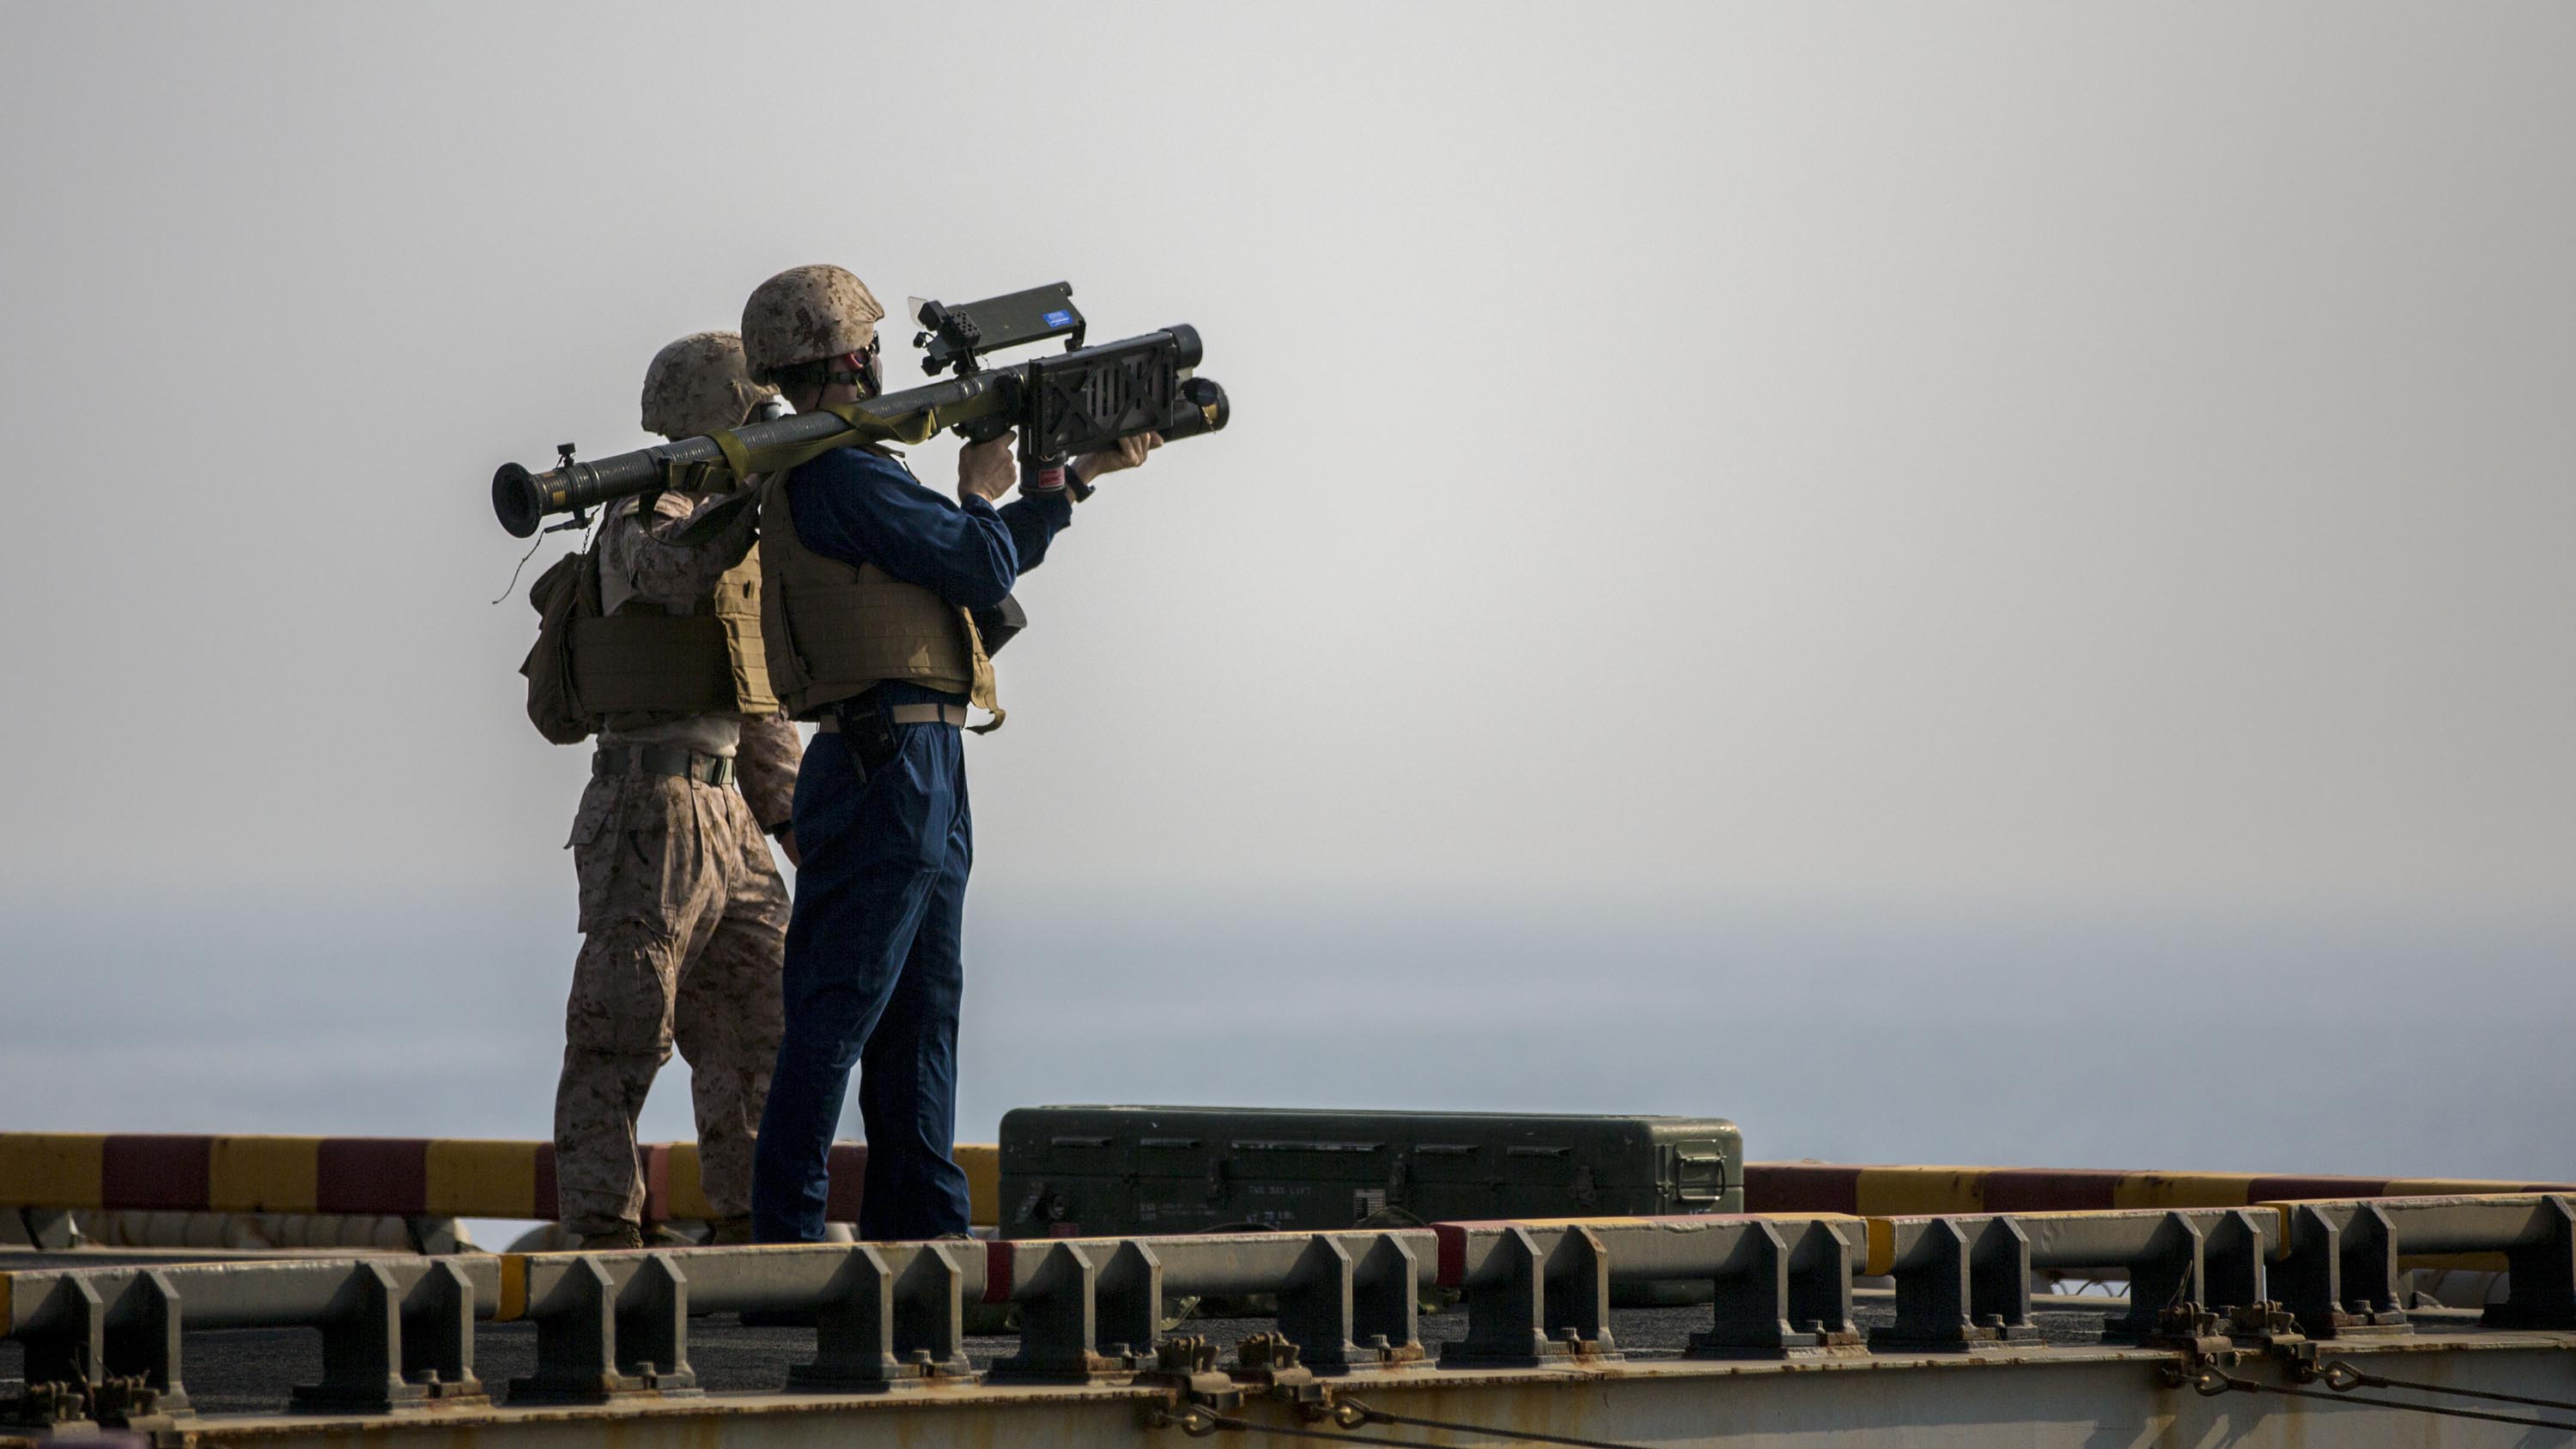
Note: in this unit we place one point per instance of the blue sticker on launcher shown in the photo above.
(1059, 319)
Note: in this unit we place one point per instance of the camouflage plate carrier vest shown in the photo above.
(709, 660)
(834, 630)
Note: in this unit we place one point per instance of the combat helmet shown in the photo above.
(805, 314)
(699, 385)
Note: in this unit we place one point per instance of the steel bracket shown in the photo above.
(1521, 1314)
(1185, 1366)
(1792, 1299)
(1971, 1295)
(1060, 1322)
(2339, 1275)
(2167, 1285)
(892, 1328)
(2540, 1274)
(116, 1364)
(389, 1347)
(2199, 1335)
(1266, 1363)
(608, 1339)
(1339, 1312)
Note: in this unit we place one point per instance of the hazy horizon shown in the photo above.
(1859, 1032)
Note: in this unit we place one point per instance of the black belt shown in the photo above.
(662, 760)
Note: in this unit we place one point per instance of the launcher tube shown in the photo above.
(521, 498)
(1102, 383)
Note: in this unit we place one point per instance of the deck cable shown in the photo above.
(2343, 1378)
(1198, 1421)
(2213, 1382)
(1351, 1413)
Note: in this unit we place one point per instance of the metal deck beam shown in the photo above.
(2097, 1398)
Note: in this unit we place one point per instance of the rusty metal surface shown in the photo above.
(245, 1372)
(2049, 1395)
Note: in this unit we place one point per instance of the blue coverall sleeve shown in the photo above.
(857, 507)
(1034, 523)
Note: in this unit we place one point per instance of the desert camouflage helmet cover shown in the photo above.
(698, 385)
(806, 313)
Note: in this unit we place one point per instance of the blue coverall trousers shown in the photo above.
(873, 978)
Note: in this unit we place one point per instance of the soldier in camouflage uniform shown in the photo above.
(683, 912)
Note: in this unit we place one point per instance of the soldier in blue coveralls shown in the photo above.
(868, 583)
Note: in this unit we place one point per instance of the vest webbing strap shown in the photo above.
(982, 694)
(737, 606)
(736, 456)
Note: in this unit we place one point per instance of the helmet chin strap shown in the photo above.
(871, 376)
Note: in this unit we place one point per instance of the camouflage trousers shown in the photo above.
(685, 923)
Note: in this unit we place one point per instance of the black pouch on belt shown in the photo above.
(867, 727)
(999, 624)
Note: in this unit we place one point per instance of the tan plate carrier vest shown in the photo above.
(710, 660)
(834, 630)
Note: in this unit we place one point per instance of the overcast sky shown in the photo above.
(1696, 470)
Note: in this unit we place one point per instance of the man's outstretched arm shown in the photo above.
(1036, 518)
(861, 508)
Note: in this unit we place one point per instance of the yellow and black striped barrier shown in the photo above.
(1909, 1190)
(388, 1176)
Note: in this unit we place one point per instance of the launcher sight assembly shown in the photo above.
(951, 336)
(1063, 405)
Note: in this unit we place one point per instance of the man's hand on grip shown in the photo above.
(987, 470)
(1117, 457)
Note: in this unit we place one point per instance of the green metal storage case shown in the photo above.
(1094, 1170)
